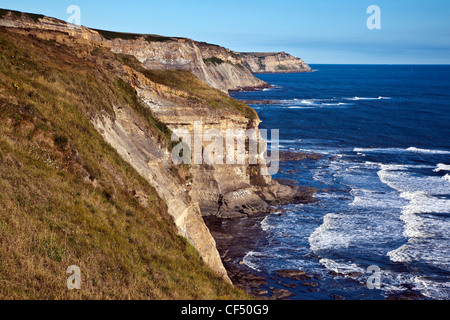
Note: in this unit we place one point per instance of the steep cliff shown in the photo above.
(153, 103)
(86, 181)
(272, 62)
(216, 66)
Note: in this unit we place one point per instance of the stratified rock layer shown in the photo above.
(273, 62)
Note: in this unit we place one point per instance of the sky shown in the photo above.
(318, 31)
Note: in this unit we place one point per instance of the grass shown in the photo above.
(19, 15)
(111, 35)
(194, 89)
(69, 199)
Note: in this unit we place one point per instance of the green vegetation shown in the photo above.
(282, 68)
(160, 129)
(187, 82)
(111, 35)
(195, 90)
(69, 199)
(213, 60)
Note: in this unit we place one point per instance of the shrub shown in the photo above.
(213, 60)
(61, 141)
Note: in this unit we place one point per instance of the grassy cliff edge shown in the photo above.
(68, 198)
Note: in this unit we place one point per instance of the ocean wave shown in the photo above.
(442, 167)
(344, 268)
(248, 260)
(336, 104)
(372, 199)
(399, 178)
(426, 225)
(418, 150)
(317, 103)
(363, 98)
(400, 150)
(265, 226)
(329, 236)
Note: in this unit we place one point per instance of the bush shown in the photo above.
(61, 141)
(213, 60)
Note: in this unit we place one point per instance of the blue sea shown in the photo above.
(384, 180)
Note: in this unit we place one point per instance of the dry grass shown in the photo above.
(194, 88)
(67, 197)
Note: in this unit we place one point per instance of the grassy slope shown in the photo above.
(68, 198)
(195, 89)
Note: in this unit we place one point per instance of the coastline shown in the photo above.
(237, 237)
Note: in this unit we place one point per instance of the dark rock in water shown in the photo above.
(294, 274)
(282, 294)
(260, 292)
(337, 297)
(286, 156)
(290, 285)
(305, 195)
(406, 295)
(310, 284)
(350, 274)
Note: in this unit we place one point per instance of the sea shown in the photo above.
(381, 224)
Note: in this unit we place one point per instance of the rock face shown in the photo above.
(14, 19)
(271, 62)
(216, 66)
(223, 190)
(126, 133)
(220, 190)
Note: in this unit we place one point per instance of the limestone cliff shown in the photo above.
(272, 62)
(15, 19)
(176, 99)
(219, 67)
(216, 66)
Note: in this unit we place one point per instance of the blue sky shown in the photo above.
(319, 31)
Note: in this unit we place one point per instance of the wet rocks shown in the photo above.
(286, 156)
(294, 274)
(280, 294)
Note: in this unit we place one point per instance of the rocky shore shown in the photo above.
(237, 236)
(234, 239)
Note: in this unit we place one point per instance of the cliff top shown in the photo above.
(262, 54)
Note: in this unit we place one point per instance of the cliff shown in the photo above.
(272, 62)
(219, 67)
(86, 181)
(83, 87)
(216, 66)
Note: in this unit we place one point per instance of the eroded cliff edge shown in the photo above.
(273, 62)
(169, 100)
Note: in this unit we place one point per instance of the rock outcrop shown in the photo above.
(223, 190)
(273, 62)
(126, 133)
(217, 66)
(34, 22)
(220, 190)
